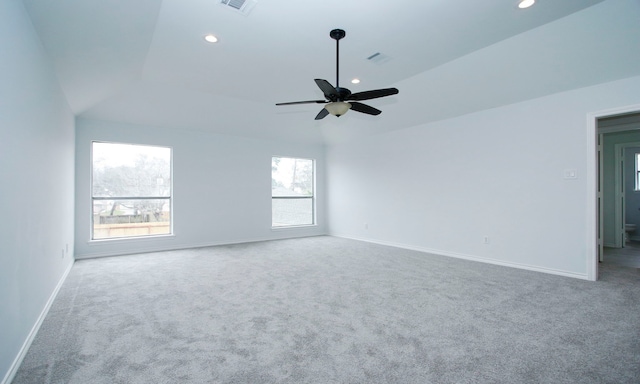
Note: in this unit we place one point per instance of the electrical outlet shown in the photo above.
(366, 226)
(486, 240)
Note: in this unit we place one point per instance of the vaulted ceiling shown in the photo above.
(146, 62)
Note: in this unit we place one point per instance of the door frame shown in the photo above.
(593, 179)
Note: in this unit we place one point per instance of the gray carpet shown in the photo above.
(331, 310)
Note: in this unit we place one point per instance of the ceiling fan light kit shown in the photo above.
(337, 108)
(340, 100)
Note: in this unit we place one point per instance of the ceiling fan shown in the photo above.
(340, 100)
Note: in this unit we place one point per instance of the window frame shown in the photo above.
(637, 173)
(312, 197)
(93, 198)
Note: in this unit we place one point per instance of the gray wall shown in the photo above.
(36, 183)
(221, 188)
(632, 197)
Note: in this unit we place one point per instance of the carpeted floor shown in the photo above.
(331, 310)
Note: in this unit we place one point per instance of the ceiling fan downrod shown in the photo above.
(337, 34)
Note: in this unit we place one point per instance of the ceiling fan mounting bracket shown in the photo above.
(337, 34)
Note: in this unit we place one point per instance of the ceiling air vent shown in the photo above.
(242, 6)
(378, 58)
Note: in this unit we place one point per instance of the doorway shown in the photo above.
(618, 139)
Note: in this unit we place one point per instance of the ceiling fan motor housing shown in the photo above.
(342, 95)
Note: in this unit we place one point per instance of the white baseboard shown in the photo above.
(34, 330)
(582, 276)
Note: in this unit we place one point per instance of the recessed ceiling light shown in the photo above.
(355, 81)
(211, 38)
(526, 3)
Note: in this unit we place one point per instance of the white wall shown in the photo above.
(442, 187)
(221, 187)
(36, 184)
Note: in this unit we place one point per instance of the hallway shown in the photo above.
(629, 256)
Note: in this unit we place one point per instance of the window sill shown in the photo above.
(293, 227)
(139, 238)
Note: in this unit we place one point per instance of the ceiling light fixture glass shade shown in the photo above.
(526, 3)
(337, 108)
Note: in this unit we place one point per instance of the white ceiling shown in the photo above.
(145, 61)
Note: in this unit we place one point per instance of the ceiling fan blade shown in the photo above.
(364, 108)
(304, 102)
(330, 92)
(367, 95)
(323, 112)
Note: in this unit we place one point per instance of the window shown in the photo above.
(637, 171)
(292, 192)
(131, 190)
